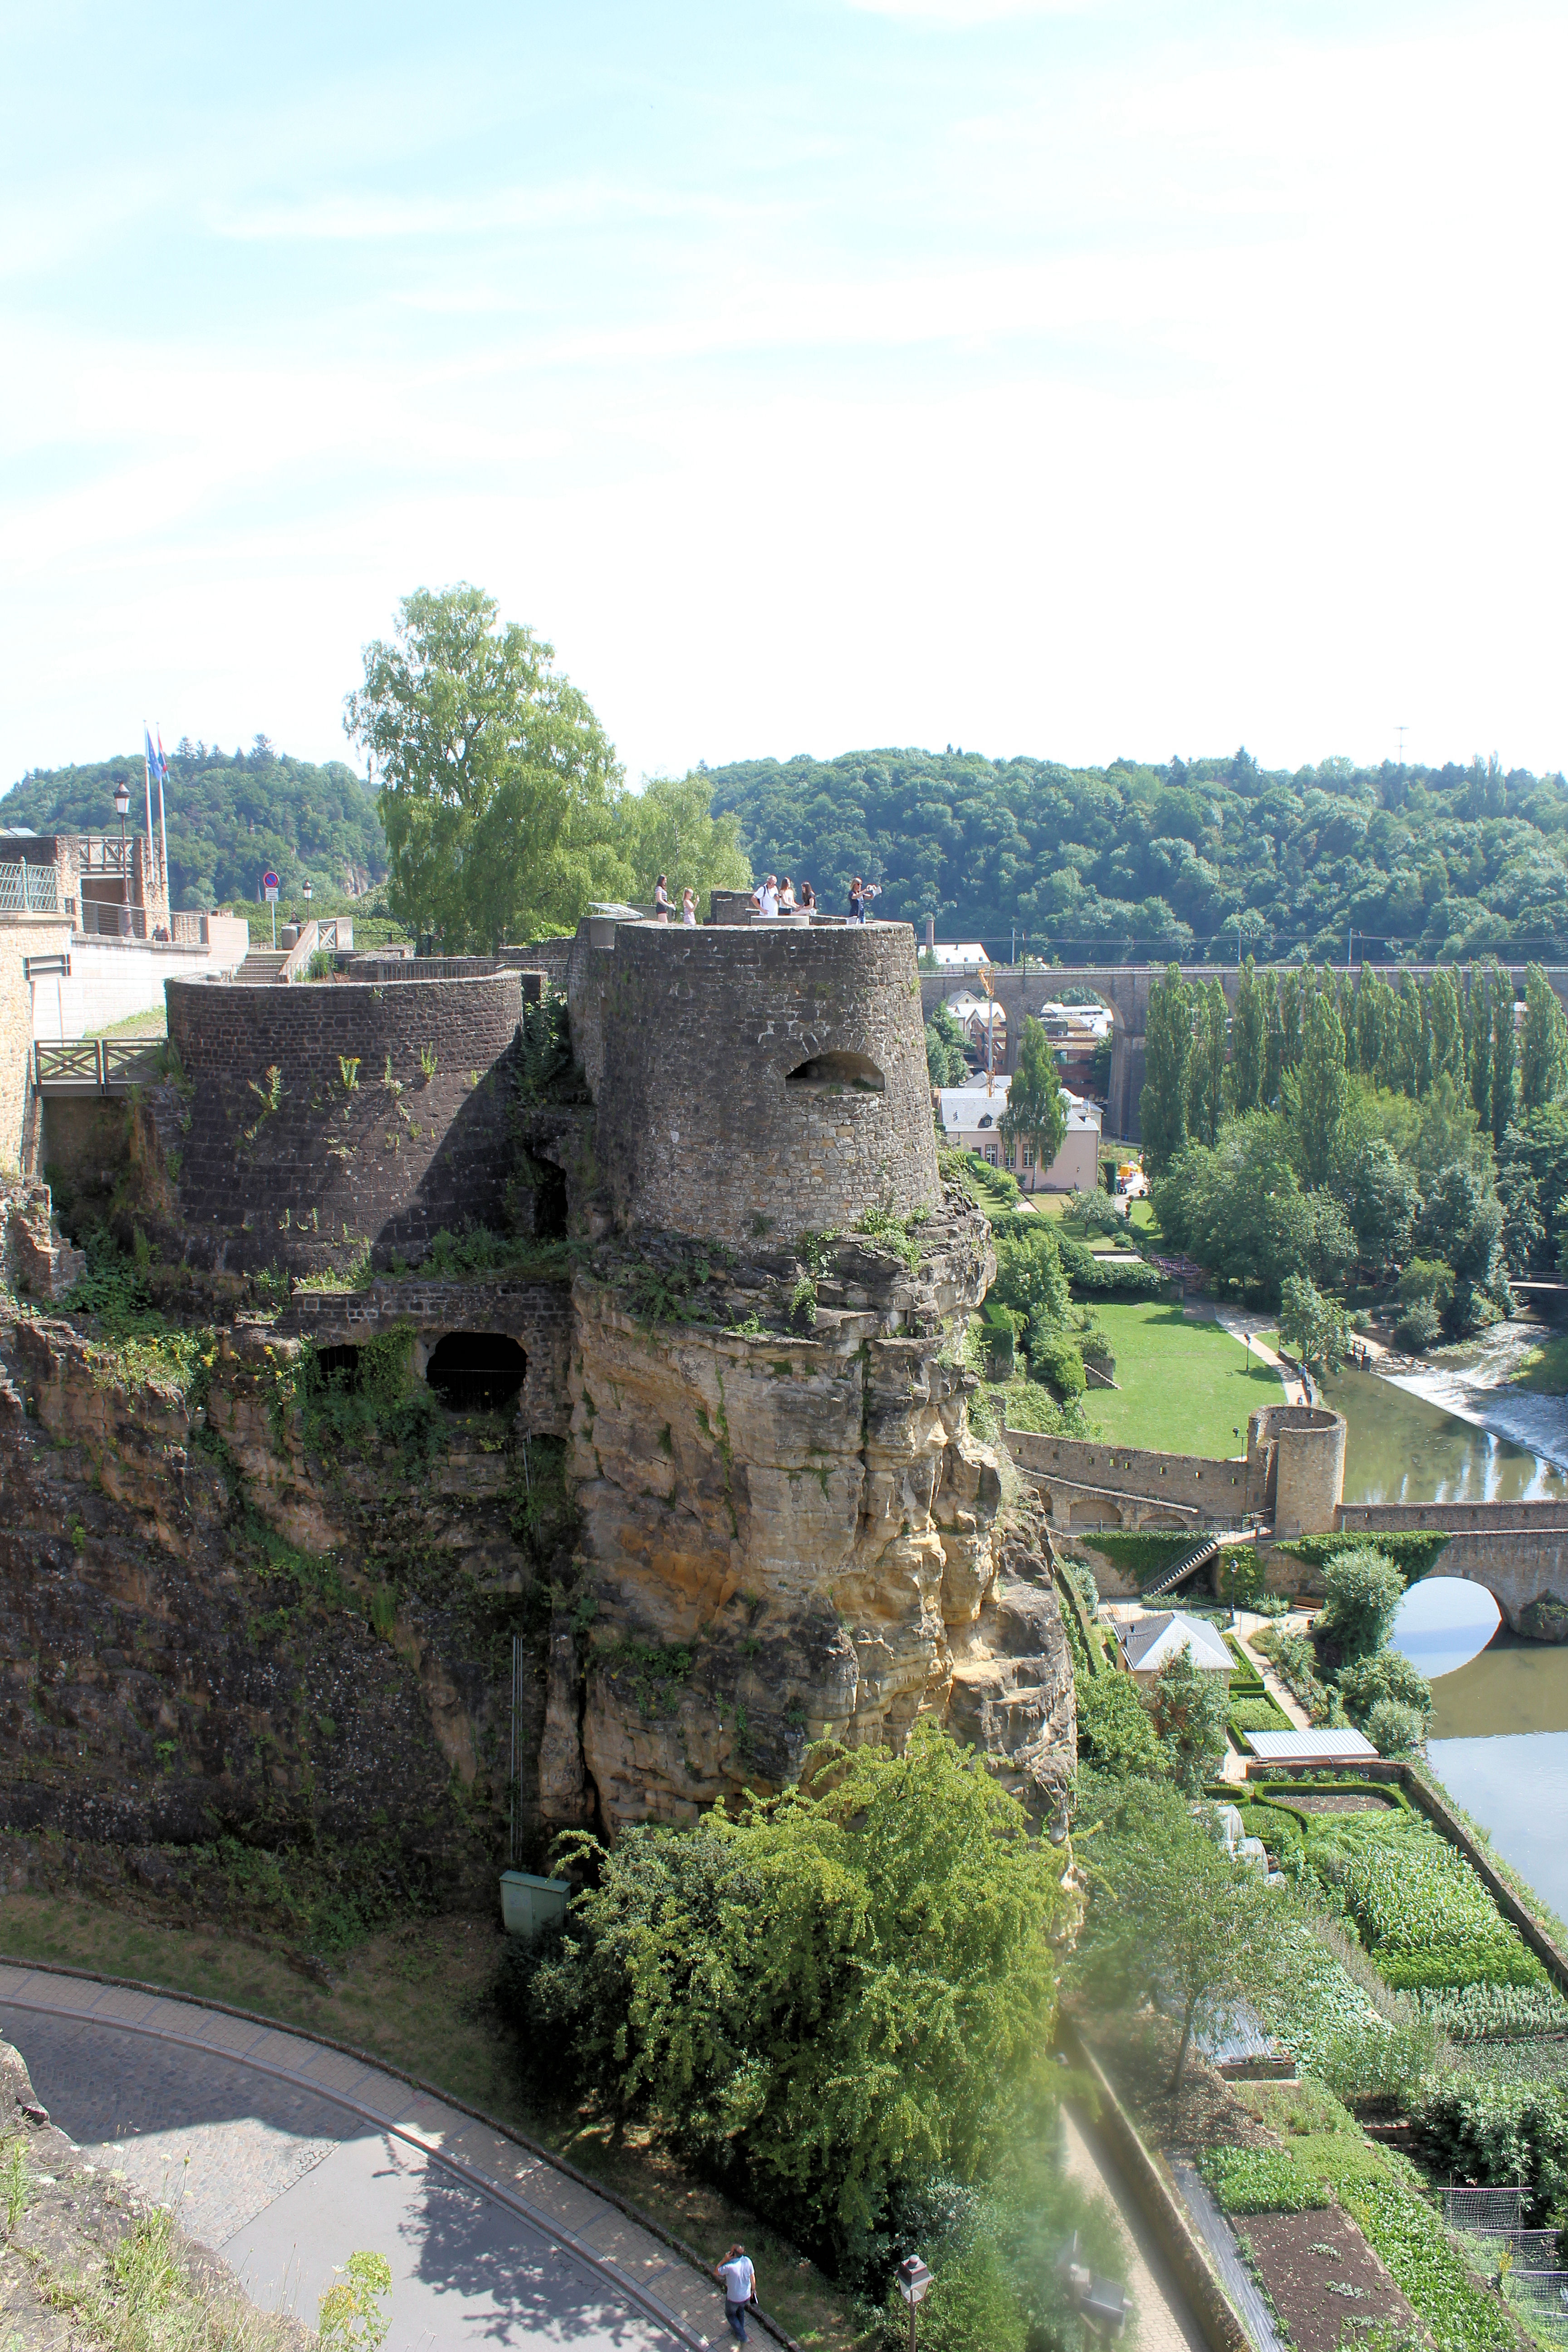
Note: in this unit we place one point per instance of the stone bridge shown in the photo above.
(1518, 1551)
(1125, 987)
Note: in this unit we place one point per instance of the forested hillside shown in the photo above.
(231, 814)
(1151, 862)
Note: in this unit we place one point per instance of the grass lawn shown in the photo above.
(151, 1023)
(1183, 1384)
(414, 1997)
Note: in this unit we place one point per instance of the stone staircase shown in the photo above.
(1199, 1557)
(262, 967)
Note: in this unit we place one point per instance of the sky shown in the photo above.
(1084, 378)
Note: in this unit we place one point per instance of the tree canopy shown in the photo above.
(1142, 862)
(230, 815)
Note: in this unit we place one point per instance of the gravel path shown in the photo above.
(286, 2157)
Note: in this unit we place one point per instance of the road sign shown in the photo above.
(269, 883)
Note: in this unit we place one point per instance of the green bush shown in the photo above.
(1364, 1589)
(1387, 1674)
(1260, 2180)
(1257, 1714)
(1115, 1731)
(1055, 1357)
(972, 2306)
(1239, 1576)
(1497, 2134)
(1419, 1328)
(1395, 1728)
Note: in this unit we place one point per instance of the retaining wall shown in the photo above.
(1293, 1470)
(387, 1161)
(695, 1044)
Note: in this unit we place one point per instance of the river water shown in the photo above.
(1453, 1433)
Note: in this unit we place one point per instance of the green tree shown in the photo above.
(1321, 1088)
(1168, 1037)
(1292, 990)
(1405, 1052)
(1246, 1042)
(1314, 1328)
(1036, 1114)
(846, 1988)
(945, 1058)
(1273, 1041)
(1171, 1917)
(1206, 1065)
(1505, 1056)
(1479, 1042)
(1239, 1209)
(668, 828)
(1380, 1197)
(1543, 1048)
(500, 790)
(1447, 1024)
(1386, 1673)
(1364, 1589)
(1187, 1708)
(1115, 1730)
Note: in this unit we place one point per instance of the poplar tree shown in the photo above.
(1290, 990)
(1445, 1023)
(1322, 1088)
(1036, 1113)
(1168, 1037)
(1478, 1042)
(1205, 1067)
(1505, 1055)
(1246, 1042)
(1273, 1039)
(1543, 1049)
(1405, 1055)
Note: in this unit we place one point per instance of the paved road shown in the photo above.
(1164, 2320)
(288, 2156)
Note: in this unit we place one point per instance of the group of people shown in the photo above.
(771, 897)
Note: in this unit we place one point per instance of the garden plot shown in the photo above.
(1319, 2272)
(1423, 1916)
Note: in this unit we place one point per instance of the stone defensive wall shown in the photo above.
(1292, 1473)
(389, 1116)
(536, 1315)
(754, 1076)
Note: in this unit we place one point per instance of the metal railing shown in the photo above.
(29, 890)
(297, 963)
(111, 918)
(99, 1064)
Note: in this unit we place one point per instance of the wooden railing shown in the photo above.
(99, 1065)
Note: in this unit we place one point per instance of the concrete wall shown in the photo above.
(111, 979)
(22, 936)
(695, 1041)
(389, 1161)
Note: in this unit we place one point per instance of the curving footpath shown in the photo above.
(285, 2154)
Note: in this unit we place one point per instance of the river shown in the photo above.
(1453, 1432)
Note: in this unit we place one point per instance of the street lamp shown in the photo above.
(310, 894)
(121, 803)
(914, 2284)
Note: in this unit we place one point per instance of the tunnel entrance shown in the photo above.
(477, 1371)
(837, 1074)
(339, 1368)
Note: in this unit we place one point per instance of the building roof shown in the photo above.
(1310, 1747)
(967, 1105)
(966, 1004)
(1151, 1642)
(957, 952)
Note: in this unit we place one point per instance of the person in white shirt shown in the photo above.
(766, 900)
(739, 2281)
(689, 905)
(786, 897)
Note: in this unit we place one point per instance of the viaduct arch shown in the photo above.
(1125, 987)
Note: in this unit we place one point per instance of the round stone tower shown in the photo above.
(756, 1078)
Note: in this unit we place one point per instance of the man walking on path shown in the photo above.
(739, 2281)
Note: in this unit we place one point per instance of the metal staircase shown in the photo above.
(1187, 1566)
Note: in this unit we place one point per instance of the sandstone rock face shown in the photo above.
(789, 1536)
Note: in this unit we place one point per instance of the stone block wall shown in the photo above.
(537, 1315)
(21, 936)
(747, 1074)
(387, 1161)
(1293, 1471)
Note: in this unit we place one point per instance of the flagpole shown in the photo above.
(163, 823)
(147, 781)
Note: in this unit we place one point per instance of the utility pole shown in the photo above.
(1402, 731)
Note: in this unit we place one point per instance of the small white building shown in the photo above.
(981, 1019)
(955, 955)
(1151, 1642)
(971, 1113)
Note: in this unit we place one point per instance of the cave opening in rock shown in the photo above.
(477, 1371)
(836, 1073)
(549, 1202)
(339, 1368)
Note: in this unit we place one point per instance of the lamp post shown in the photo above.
(121, 803)
(914, 2284)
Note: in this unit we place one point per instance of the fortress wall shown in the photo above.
(689, 1037)
(537, 1315)
(1485, 1517)
(307, 1185)
(1294, 1468)
(1188, 1483)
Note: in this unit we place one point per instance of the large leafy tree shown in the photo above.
(500, 790)
(846, 1988)
(1315, 1327)
(1246, 1042)
(1321, 1087)
(1543, 1048)
(1036, 1113)
(669, 828)
(1171, 1917)
(1168, 1039)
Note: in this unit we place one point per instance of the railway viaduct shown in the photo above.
(1125, 987)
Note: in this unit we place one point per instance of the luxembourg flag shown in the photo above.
(156, 763)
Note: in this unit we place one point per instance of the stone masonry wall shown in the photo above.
(387, 1161)
(537, 1315)
(699, 1128)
